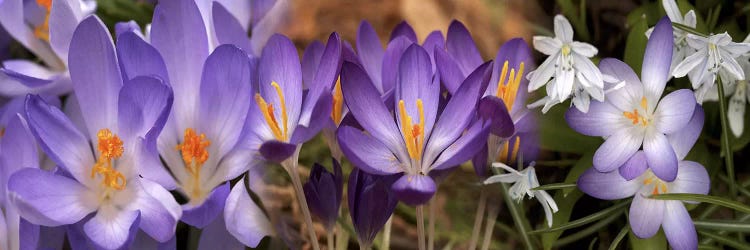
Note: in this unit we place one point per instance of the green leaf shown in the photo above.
(557, 136)
(725, 240)
(619, 237)
(554, 186)
(721, 201)
(586, 220)
(725, 225)
(657, 242)
(636, 44)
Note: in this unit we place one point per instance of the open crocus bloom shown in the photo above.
(101, 188)
(422, 138)
(647, 215)
(634, 115)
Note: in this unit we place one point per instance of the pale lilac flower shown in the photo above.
(681, 48)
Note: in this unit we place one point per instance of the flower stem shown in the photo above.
(492, 212)
(330, 240)
(291, 166)
(420, 227)
(518, 218)
(728, 155)
(431, 225)
(387, 234)
(478, 219)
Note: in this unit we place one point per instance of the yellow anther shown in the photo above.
(507, 90)
(110, 145)
(46, 4)
(503, 156)
(413, 133)
(636, 117)
(194, 150)
(338, 102)
(112, 178)
(566, 49)
(267, 110)
(42, 31)
(110, 148)
(659, 186)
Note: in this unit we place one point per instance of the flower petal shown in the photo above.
(646, 216)
(684, 139)
(464, 147)
(602, 119)
(228, 29)
(678, 226)
(244, 219)
(547, 45)
(366, 152)
(691, 178)
(62, 22)
(19, 149)
(584, 49)
(415, 82)
(159, 210)
(617, 149)
(111, 228)
(403, 29)
(461, 47)
(660, 156)
(624, 97)
(635, 166)
(47, 199)
(606, 185)
(392, 61)
(674, 111)
(280, 63)
(370, 53)
(736, 111)
(414, 190)
(657, 59)
(276, 151)
(216, 236)
(493, 109)
(449, 72)
(200, 215)
(139, 58)
(563, 30)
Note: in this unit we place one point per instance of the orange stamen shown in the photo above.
(508, 90)
(415, 138)
(110, 148)
(268, 114)
(338, 102)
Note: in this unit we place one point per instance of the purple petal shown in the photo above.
(244, 219)
(515, 51)
(179, 34)
(434, 40)
(635, 166)
(215, 236)
(678, 226)
(159, 210)
(660, 156)
(225, 96)
(450, 73)
(26, 76)
(19, 149)
(415, 82)
(112, 229)
(47, 199)
(325, 77)
(414, 190)
(606, 185)
(200, 215)
(13, 21)
(366, 106)
(276, 151)
(392, 61)
(59, 138)
(624, 98)
(348, 53)
(138, 58)
(602, 119)
(95, 74)
(143, 241)
(493, 109)
(228, 29)
(62, 23)
(26, 234)
(126, 27)
(617, 149)
(54, 237)
(461, 47)
(464, 147)
(674, 111)
(269, 24)
(657, 59)
(310, 60)
(370, 53)
(684, 139)
(403, 29)
(646, 216)
(479, 162)
(329, 65)
(280, 63)
(691, 178)
(318, 117)
(371, 203)
(366, 152)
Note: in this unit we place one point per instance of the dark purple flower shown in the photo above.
(371, 203)
(323, 192)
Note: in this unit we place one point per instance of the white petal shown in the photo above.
(543, 73)
(588, 70)
(697, 42)
(721, 39)
(504, 178)
(581, 101)
(673, 12)
(548, 204)
(737, 49)
(563, 30)
(584, 49)
(547, 45)
(690, 63)
(736, 113)
(732, 67)
(564, 80)
(690, 19)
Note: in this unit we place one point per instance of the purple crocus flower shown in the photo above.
(634, 115)
(323, 192)
(648, 215)
(421, 137)
(371, 203)
(100, 189)
(228, 22)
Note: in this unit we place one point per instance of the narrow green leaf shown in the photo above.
(619, 237)
(596, 227)
(725, 240)
(566, 199)
(554, 186)
(725, 225)
(593, 242)
(705, 198)
(635, 45)
(586, 220)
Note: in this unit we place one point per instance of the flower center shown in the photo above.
(658, 186)
(42, 31)
(110, 148)
(413, 132)
(507, 90)
(281, 134)
(503, 156)
(338, 102)
(566, 50)
(637, 117)
(194, 154)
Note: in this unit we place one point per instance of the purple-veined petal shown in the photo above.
(125, 27)
(684, 139)
(415, 82)
(310, 60)
(228, 29)
(450, 73)
(660, 156)
(159, 210)
(367, 107)
(462, 48)
(111, 228)
(216, 236)
(493, 109)
(515, 51)
(607, 185)
(138, 58)
(277, 151)
(27, 75)
(674, 111)
(414, 190)
(59, 138)
(19, 150)
(317, 99)
(62, 23)
(244, 219)
(280, 63)
(143, 106)
(691, 178)
(366, 152)
(617, 149)
(678, 226)
(403, 29)
(202, 214)
(47, 199)
(370, 53)
(634, 167)
(646, 215)
(96, 75)
(464, 147)
(225, 97)
(603, 119)
(318, 116)
(657, 59)
(392, 62)
(432, 42)
(629, 95)
(329, 65)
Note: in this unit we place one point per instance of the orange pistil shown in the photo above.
(659, 186)
(338, 102)
(42, 31)
(413, 133)
(281, 134)
(507, 90)
(194, 154)
(110, 148)
(635, 116)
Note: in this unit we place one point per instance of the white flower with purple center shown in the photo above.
(567, 71)
(635, 116)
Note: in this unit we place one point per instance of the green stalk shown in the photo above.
(728, 155)
(420, 227)
(521, 223)
(478, 219)
(387, 234)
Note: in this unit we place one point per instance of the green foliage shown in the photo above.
(658, 242)
(636, 44)
(557, 136)
(114, 11)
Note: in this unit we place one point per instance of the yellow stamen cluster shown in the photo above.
(413, 133)
(507, 90)
(503, 156)
(635, 116)
(110, 148)
(42, 31)
(659, 186)
(267, 110)
(338, 102)
(194, 149)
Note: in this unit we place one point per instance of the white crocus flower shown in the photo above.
(681, 48)
(715, 55)
(523, 183)
(567, 71)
